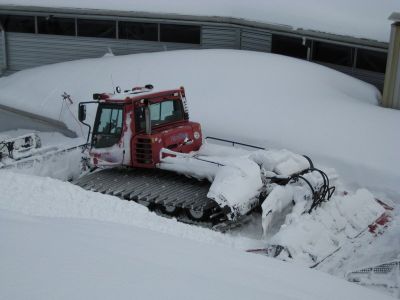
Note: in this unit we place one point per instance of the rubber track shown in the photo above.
(151, 187)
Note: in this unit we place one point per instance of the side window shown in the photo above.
(180, 33)
(165, 112)
(110, 121)
(167, 109)
(289, 46)
(334, 54)
(155, 112)
(97, 28)
(371, 60)
(14, 23)
(138, 31)
(55, 25)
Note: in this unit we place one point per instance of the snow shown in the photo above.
(236, 174)
(312, 237)
(57, 244)
(48, 160)
(264, 99)
(359, 18)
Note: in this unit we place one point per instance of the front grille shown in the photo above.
(144, 154)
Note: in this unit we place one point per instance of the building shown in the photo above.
(34, 36)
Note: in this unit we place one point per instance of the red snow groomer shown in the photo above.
(130, 129)
(133, 133)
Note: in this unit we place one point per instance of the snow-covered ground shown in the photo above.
(264, 99)
(360, 18)
(84, 259)
(76, 254)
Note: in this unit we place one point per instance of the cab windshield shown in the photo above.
(108, 127)
(161, 113)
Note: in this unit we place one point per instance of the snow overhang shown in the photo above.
(395, 17)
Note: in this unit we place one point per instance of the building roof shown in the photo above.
(357, 18)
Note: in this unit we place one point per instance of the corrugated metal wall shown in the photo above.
(220, 37)
(31, 50)
(374, 78)
(28, 50)
(255, 40)
(2, 67)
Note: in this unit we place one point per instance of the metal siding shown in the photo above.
(374, 78)
(256, 40)
(1, 53)
(31, 50)
(220, 37)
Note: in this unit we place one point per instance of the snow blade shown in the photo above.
(19, 147)
(313, 238)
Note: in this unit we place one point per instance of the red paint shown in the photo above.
(145, 148)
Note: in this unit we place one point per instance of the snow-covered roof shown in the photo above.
(395, 17)
(358, 18)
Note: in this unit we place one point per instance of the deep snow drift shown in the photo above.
(67, 257)
(360, 18)
(264, 99)
(84, 259)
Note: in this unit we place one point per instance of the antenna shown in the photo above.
(112, 83)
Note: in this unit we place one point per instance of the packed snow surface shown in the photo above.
(264, 99)
(65, 249)
(360, 18)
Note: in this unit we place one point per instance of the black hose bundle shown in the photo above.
(322, 194)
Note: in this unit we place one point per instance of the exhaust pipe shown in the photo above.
(147, 118)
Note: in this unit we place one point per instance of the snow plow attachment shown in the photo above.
(19, 147)
(324, 234)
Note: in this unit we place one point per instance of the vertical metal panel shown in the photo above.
(220, 37)
(396, 93)
(391, 94)
(2, 58)
(31, 50)
(255, 40)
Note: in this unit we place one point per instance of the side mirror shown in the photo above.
(82, 112)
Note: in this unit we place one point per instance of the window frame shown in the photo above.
(307, 47)
(357, 61)
(123, 23)
(164, 26)
(352, 53)
(6, 25)
(114, 137)
(73, 23)
(111, 21)
(139, 128)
